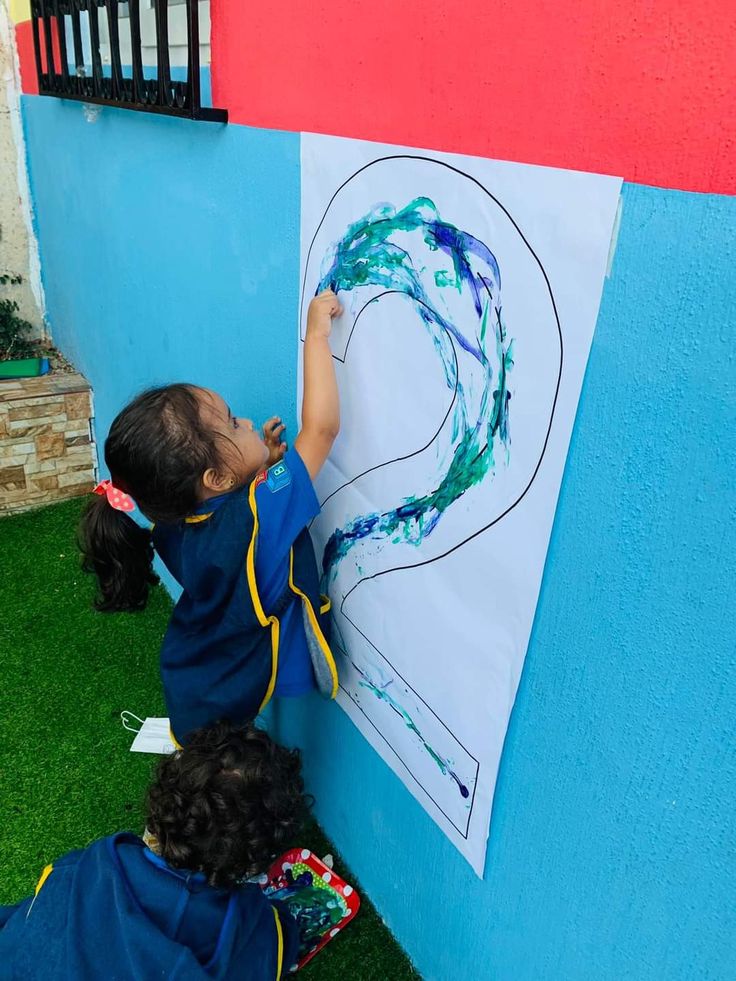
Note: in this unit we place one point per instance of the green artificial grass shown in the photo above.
(66, 773)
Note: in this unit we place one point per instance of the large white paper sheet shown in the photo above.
(471, 289)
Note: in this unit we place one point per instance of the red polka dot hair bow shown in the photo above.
(115, 497)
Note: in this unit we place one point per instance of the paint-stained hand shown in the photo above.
(322, 309)
(272, 431)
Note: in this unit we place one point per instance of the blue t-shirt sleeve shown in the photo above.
(286, 503)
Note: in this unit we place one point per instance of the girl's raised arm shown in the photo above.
(320, 403)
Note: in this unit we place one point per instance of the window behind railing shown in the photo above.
(94, 51)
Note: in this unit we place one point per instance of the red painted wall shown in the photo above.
(27, 56)
(645, 90)
(24, 41)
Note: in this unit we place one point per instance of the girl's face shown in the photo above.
(247, 452)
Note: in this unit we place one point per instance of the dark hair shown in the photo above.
(157, 450)
(227, 803)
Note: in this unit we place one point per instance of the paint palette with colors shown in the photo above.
(319, 900)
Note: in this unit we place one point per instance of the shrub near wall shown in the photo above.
(46, 448)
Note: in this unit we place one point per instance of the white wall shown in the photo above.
(18, 247)
(177, 34)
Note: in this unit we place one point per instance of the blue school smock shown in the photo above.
(116, 911)
(250, 601)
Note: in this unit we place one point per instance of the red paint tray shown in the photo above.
(319, 900)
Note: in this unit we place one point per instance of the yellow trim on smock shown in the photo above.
(280, 942)
(195, 519)
(265, 621)
(44, 876)
(314, 623)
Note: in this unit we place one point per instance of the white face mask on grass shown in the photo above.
(152, 735)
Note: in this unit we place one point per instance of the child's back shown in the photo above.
(250, 611)
(115, 910)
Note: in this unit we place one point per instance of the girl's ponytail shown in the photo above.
(120, 553)
(156, 451)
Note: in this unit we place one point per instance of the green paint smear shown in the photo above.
(367, 255)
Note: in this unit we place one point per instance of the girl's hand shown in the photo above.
(322, 309)
(272, 431)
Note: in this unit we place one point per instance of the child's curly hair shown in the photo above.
(227, 803)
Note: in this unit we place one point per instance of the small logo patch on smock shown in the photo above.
(278, 477)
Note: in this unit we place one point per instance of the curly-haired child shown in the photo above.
(219, 811)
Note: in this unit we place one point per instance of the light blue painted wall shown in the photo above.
(173, 252)
(613, 848)
(170, 252)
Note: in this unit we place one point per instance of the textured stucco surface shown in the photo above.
(640, 90)
(613, 836)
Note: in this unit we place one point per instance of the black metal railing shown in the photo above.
(58, 22)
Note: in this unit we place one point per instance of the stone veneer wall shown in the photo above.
(46, 448)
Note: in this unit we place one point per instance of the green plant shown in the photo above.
(14, 342)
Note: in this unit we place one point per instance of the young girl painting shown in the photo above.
(230, 509)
